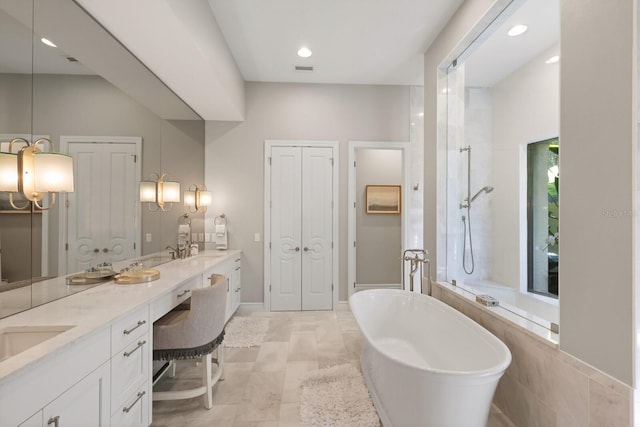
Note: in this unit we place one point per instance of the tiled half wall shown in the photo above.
(544, 386)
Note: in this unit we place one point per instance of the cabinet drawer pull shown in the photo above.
(129, 353)
(238, 260)
(237, 268)
(54, 421)
(183, 293)
(140, 323)
(237, 289)
(126, 409)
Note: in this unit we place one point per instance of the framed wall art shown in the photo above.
(384, 199)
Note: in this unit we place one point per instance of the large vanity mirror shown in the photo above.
(502, 160)
(95, 101)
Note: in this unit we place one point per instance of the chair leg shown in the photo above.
(206, 381)
(220, 357)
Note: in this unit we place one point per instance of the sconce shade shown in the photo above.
(205, 198)
(159, 192)
(189, 198)
(148, 191)
(53, 172)
(9, 172)
(197, 197)
(171, 192)
(34, 173)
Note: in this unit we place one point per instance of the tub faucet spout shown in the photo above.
(416, 258)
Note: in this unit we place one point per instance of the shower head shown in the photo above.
(487, 189)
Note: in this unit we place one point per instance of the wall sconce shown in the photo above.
(159, 192)
(197, 197)
(34, 173)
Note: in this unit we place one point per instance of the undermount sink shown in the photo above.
(16, 339)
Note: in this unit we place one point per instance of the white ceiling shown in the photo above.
(353, 41)
(495, 55)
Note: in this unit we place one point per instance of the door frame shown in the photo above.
(335, 146)
(404, 147)
(65, 140)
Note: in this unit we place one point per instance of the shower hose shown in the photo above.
(466, 223)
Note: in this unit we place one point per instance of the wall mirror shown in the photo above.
(503, 95)
(97, 102)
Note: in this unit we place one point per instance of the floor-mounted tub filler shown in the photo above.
(426, 364)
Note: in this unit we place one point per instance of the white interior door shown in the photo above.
(286, 228)
(301, 228)
(102, 217)
(317, 228)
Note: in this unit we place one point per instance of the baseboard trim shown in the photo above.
(250, 307)
(253, 307)
(343, 306)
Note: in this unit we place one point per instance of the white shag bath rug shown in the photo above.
(336, 396)
(245, 331)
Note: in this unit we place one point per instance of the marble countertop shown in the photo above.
(96, 308)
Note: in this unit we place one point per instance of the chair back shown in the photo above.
(196, 327)
(208, 306)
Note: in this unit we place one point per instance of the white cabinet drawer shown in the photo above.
(179, 295)
(129, 370)
(134, 412)
(128, 329)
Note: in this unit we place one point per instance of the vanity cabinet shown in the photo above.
(130, 369)
(235, 287)
(102, 375)
(74, 385)
(85, 404)
(231, 270)
(179, 295)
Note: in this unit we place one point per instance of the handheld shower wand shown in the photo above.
(466, 220)
(486, 189)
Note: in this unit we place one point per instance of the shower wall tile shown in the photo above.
(545, 386)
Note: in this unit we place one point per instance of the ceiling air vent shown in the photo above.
(71, 59)
(304, 68)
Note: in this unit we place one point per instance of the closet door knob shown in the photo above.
(306, 249)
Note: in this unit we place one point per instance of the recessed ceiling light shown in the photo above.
(304, 52)
(48, 42)
(553, 59)
(516, 30)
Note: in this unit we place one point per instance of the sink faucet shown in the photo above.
(173, 251)
(180, 252)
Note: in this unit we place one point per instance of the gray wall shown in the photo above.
(598, 170)
(598, 164)
(379, 237)
(235, 154)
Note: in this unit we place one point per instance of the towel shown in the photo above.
(221, 229)
(221, 239)
(184, 229)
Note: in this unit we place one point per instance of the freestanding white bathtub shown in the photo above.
(426, 364)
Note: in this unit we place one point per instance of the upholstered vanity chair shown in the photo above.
(190, 332)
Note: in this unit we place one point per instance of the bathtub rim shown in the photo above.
(497, 369)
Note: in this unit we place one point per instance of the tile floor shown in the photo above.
(262, 385)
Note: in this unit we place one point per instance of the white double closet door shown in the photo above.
(301, 261)
(102, 211)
